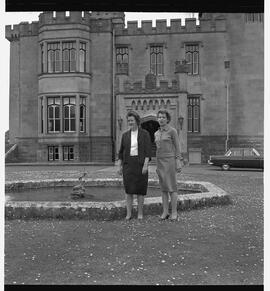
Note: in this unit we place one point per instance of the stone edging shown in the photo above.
(210, 195)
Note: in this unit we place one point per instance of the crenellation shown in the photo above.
(205, 24)
(82, 17)
(34, 27)
(60, 17)
(86, 16)
(24, 28)
(132, 27)
(21, 29)
(76, 16)
(176, 25)
(147, 26)
(117, 19)
(190, 24)
(119, 28)
(161, 26)
(12, 33)
(46, 18)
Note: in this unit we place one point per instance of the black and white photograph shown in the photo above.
(134, 144)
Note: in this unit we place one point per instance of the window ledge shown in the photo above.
(61, 74)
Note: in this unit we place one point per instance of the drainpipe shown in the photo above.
(227, 68)
(227, 116)
(113, 101)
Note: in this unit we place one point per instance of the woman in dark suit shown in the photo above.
(134, 156)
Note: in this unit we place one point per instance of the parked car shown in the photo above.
(238, 158)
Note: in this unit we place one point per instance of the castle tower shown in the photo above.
(246, 78)
(67, 89)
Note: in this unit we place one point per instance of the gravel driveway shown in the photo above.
(216, 245)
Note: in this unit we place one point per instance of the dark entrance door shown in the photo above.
(151, 126)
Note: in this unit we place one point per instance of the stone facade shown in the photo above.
(74, 77)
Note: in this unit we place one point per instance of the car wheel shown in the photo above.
(225, 167)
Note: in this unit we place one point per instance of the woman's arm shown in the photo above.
(120, 156)
(178, 154)
(145, 165)
(176, 143)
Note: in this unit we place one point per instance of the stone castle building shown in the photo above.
(74, 76)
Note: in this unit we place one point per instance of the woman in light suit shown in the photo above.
(134, 156)
(169, 159)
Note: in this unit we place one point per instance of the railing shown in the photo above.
(11, 154)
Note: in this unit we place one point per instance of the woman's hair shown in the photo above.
(163, 111)
(135, 115)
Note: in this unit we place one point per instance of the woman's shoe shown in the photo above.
(127, 218)
(174, 218)
(165, 217)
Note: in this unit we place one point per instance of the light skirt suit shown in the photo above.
(168, 150)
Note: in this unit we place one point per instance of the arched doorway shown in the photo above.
(151, 126)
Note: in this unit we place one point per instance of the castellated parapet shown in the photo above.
(21, 29)
(96, 21)
(118, 21)
(206, 25)
(61, 17)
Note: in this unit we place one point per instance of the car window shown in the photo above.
(248, 152)
(236, 152)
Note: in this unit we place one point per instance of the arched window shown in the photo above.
(69, 56)
(53, 57)
(82, 57)
(53, 114)
(82, 114)
(192, 58)
(156, 60)
(122, 60)
(193, 114)
(41, 115)
(69, 113)
(42, 57)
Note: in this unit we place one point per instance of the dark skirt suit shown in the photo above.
(134, 181)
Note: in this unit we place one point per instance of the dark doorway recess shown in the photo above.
(151, 126)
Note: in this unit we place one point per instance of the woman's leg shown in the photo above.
(129, 202)
(165, 204)
(174, 204)
(140, 199)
